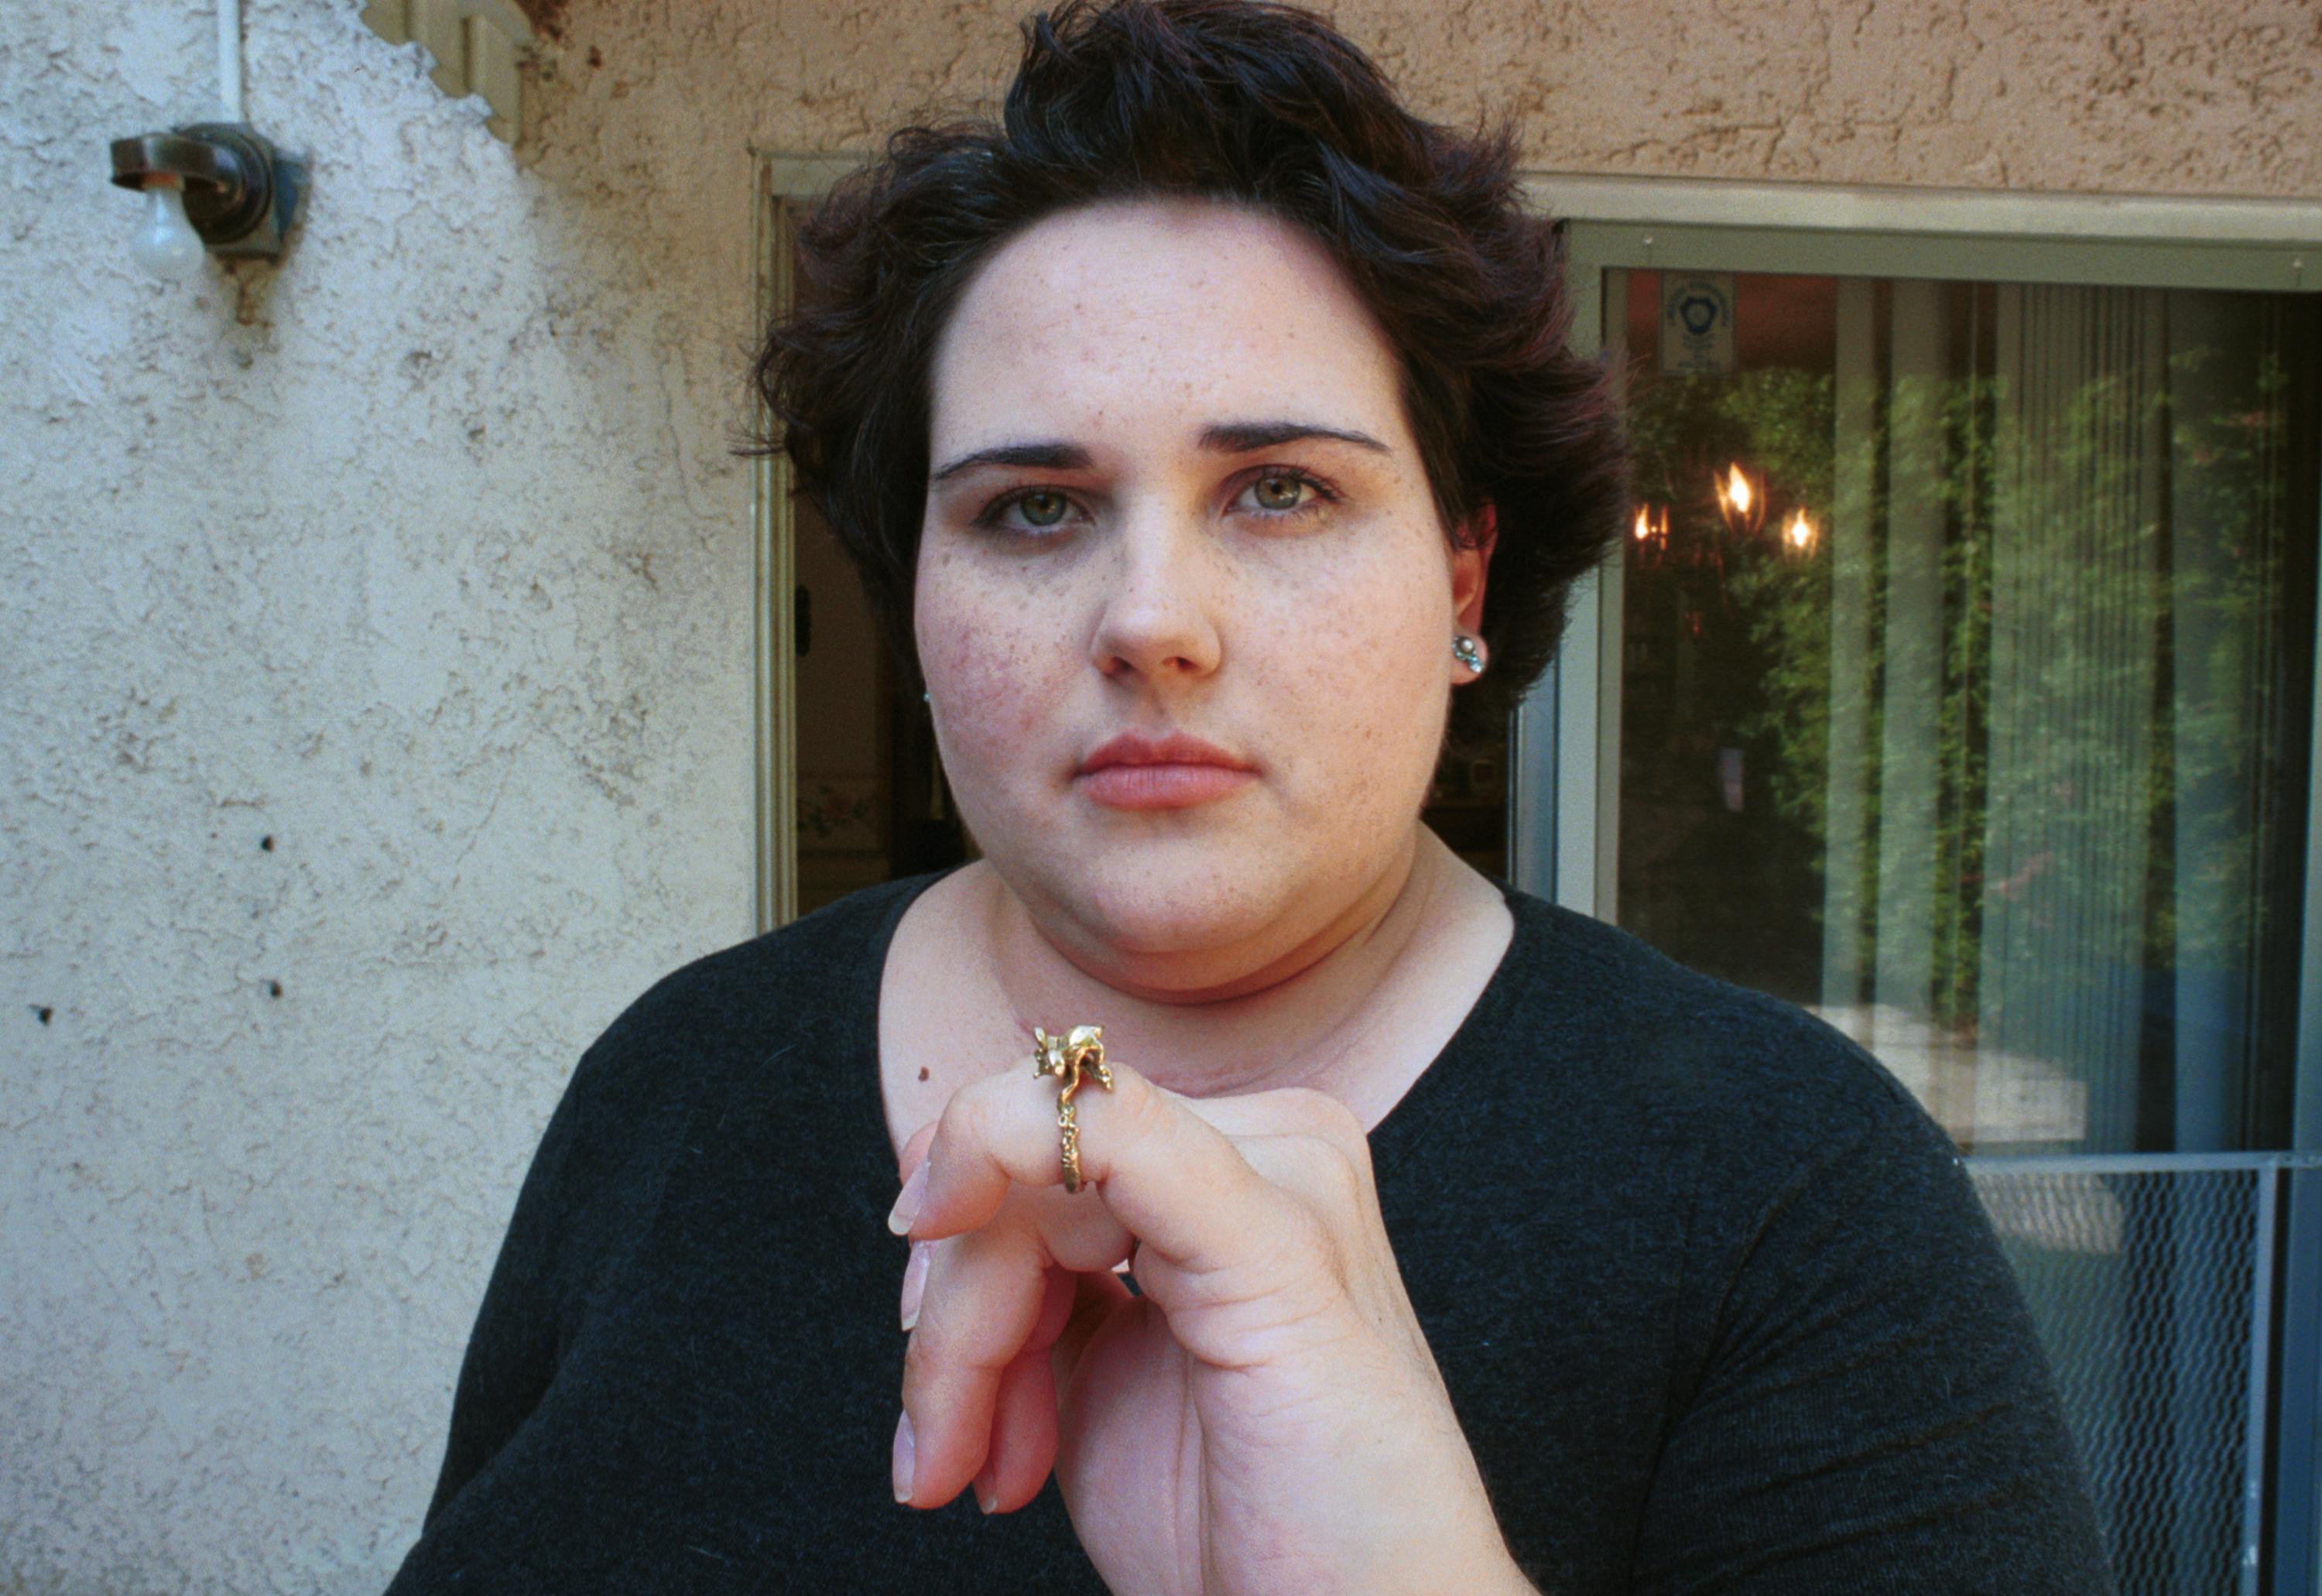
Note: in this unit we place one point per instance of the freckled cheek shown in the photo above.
(1355, 671)
(995, 673)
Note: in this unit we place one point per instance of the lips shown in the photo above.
(1133, 771)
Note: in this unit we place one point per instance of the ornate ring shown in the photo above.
(1071, 1058)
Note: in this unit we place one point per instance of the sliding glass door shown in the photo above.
(1956, 681)
(1965, 654)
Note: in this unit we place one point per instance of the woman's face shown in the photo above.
(1174, 495)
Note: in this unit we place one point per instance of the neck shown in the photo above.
(1232, 1021)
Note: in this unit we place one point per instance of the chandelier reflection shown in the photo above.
(1798, 533)
(1740, 501)
(1651, 532)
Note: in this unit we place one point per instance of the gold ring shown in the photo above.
(1071, 1058)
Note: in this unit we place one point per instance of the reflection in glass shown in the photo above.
(1966, 685)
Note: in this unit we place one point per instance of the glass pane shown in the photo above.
(1966, 684)
(872, 802)
(873, 805)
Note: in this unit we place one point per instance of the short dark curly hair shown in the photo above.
(1255, 103)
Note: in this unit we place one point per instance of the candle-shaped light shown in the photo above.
(1651, 530)
(1738, 500)
(1799, 531)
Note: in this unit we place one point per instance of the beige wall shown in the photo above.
(2174, 97)
(424, 556)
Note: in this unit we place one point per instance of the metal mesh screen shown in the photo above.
(2150, 1287)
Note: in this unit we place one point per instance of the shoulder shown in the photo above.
(743, 1001)
(1769, 1080)
(603, 1159)
(1780, 1149)
(725, 1011)
(1849, 1374)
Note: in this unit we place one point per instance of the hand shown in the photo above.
(1266, 1417)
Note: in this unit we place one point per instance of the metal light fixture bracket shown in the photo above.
(241, 193)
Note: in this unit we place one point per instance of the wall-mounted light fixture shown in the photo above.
(211, 185)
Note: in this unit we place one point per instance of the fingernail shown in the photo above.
(906, 1459)
(907, 1206)
(987, 1493)
(915, 1281)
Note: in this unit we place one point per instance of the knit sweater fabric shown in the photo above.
(1713, 1300)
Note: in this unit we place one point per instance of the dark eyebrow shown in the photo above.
(1052, 457)
(1239, 437)
(1246, 437)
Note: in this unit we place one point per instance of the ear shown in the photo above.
(1471, 561)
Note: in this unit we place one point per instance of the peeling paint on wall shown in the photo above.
(376, 651)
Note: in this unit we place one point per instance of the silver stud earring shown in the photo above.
(1469, 653)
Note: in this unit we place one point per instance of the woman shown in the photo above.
(1207, 435)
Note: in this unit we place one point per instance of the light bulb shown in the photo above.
(167, 246)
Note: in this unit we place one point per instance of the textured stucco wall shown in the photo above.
(423, 557)
(2174, 97)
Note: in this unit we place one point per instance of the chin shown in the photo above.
(1251, 876)
(1160, 897)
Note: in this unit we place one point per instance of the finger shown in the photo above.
(1285, 1111)
(1024, 1411)
(915, 1150)
(963, 1181)
(1095, 1297)
(1164, 1171)
(986, 1294)
(915, 1282)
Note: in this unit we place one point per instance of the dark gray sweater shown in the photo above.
(1714, 1303)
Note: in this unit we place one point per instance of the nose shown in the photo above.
(1160, 613)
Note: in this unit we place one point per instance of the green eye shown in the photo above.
(1043, 508)
(1278, 492)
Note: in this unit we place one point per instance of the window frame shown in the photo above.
(774, 542)
(1564, 741)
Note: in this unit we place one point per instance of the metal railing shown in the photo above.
(2157, 1285)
